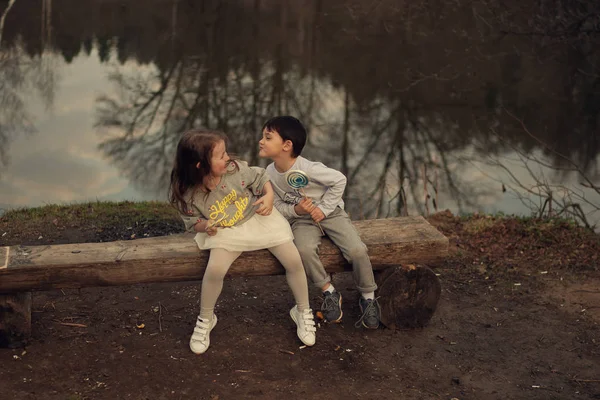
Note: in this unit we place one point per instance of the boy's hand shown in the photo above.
(317, 215)
(304, 207)
(266, 204)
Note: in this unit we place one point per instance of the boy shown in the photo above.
(283, 139)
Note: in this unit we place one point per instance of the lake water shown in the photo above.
(467, 106)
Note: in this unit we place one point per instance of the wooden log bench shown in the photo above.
(408, 292)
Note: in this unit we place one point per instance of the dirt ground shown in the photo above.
(518, 319)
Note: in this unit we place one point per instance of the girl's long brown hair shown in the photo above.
(195, 146)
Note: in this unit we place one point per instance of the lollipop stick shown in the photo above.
(216, 222)
(319, 225)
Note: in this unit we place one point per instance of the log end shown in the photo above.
(408, 296)
(15, 319)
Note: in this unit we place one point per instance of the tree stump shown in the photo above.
(15, 319)
(408, 296)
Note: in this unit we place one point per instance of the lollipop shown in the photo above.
(298, 179)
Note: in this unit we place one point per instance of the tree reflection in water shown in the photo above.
(402, 98)
(401, 112)
(21, 74)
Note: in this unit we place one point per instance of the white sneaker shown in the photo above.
(305, 323)
(200, 339)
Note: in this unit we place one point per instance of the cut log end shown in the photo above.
(15, 319)
(408, 296)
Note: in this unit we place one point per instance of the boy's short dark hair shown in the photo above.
(289, 128)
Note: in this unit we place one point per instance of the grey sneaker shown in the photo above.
(332, 307)
(371, 313)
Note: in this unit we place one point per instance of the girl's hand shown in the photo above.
(211, 228)
(207, 226)
(265, 204)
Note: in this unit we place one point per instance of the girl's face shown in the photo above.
(219, 159)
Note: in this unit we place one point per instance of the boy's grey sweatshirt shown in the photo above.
(325, 187)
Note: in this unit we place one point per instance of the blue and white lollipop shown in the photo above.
(298, 179)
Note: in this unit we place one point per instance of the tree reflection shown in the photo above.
(396, 108)
(18, 75)
(211, 90)
(144, 122)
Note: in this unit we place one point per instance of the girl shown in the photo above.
(230, 206)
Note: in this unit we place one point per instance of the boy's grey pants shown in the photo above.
(339, 228)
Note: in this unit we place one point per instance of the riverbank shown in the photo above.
(518, 319)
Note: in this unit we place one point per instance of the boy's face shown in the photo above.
(272, 145)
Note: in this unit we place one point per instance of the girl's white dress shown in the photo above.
(258, 232)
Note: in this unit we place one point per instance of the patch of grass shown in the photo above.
(477, 225)
(100, 212)
(94, 221)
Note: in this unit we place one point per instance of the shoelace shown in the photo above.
(370, 311)
(329, 304)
